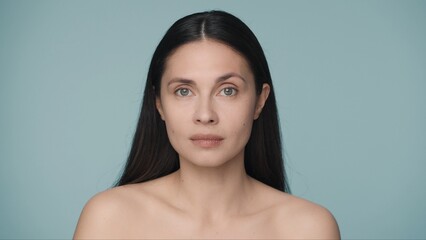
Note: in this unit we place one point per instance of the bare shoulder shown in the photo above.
(102, 212)
(305, 219)
(108, 213)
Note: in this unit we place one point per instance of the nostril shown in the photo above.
(206, 121)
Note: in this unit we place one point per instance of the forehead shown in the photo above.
(205, 59)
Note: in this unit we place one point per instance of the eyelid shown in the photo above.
(176, 91)
(229, 87)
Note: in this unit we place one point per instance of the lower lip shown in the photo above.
(207, 143)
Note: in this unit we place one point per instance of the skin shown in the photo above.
(207, 88)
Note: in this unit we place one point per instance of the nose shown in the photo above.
(205, 112)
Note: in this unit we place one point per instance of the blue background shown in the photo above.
(350, 78)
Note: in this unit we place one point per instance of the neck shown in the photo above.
(212, 192)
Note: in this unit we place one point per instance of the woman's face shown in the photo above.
(208, 101)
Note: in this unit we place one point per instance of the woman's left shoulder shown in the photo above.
(306, 219)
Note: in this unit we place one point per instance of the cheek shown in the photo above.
(174, 130)
(239, 119)
(178, 120)
(175, 120)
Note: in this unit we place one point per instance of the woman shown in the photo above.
(206, 158)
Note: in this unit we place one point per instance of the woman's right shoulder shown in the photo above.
(114, 199)
(108, 210)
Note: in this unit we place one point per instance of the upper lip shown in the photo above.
(211, 137)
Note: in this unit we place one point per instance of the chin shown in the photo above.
(207, 163)
(207, 160)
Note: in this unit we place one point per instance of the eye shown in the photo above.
(228, 91)
(183, 92)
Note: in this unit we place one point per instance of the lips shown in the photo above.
(206, 140)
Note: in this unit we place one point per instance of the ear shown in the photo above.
(159, 107)
(261, 100)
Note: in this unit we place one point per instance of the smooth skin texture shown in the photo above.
(209, 103)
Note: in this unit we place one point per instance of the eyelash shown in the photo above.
(178, 92)
(234, 91)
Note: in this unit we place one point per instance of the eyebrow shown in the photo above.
(218, 80)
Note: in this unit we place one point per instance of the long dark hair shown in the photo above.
(152, 155)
